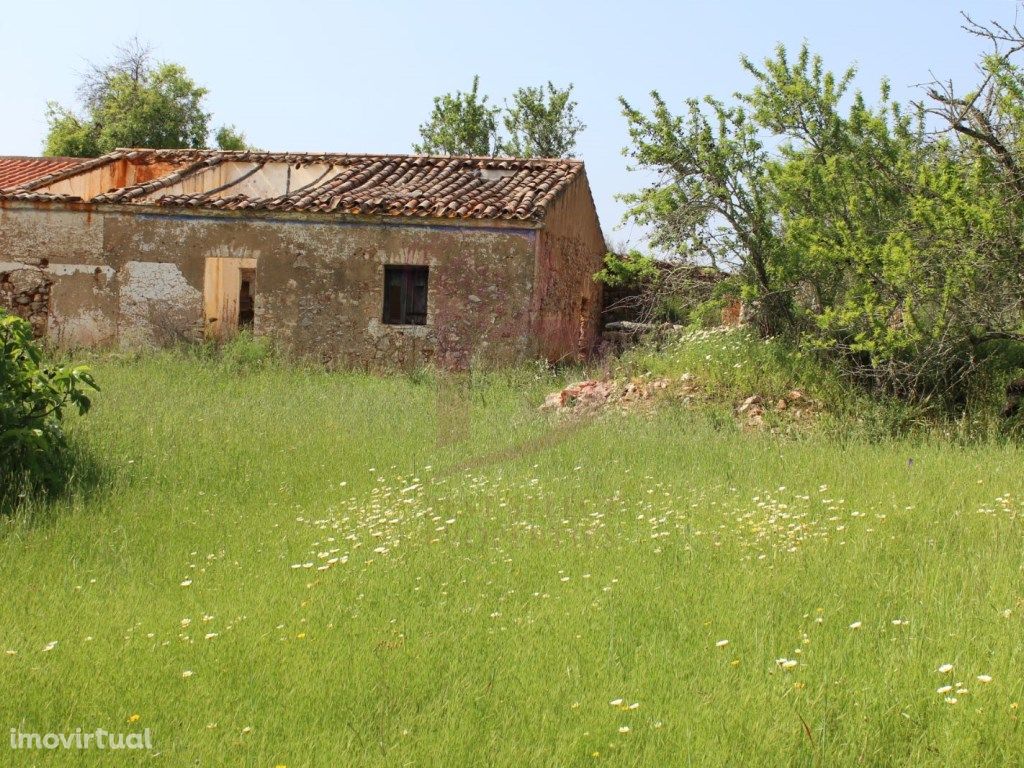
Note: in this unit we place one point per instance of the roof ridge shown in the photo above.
(324, 155)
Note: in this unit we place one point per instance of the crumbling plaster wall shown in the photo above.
(53, 272)
(570, 251)
(121, 276)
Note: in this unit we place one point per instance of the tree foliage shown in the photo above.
(132, 102)
(460, 124)
(230, 138)
(849, 224)
(539, 122)
(33, 400)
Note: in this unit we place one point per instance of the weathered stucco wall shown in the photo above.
(120, 276)
(567, 301)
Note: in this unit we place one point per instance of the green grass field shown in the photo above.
(302, 568)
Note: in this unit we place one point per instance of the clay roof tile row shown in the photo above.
(389, 185)
(17, 171)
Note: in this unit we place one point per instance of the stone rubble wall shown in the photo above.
(26, 293)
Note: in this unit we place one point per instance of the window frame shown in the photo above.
(408, 279)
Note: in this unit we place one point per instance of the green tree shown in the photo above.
(69, 136)
(848, 225)
(230, 138)
(713, 198)
(541, 122)
(132, 102)
(460, 124)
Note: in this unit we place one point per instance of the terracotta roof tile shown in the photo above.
(389, 185)
(16, 171)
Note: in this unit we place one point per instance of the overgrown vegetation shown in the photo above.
(326, 577)
(853, 228)
(34, 396)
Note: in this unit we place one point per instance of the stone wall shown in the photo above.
(120, 276)
(26, 292)
(570, 251)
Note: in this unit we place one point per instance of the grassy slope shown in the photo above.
(501, 589)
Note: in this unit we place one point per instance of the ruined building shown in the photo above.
(365, 260)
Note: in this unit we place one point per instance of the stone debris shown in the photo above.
(596, 394)
(592, 396)
(795, 404)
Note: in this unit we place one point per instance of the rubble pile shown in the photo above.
(794, 403)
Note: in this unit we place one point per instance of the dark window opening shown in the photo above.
(246, 306)
(405, 295)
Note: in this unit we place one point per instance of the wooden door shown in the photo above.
(222, 287)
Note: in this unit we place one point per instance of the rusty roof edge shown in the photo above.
(66, 173)
(176, 211)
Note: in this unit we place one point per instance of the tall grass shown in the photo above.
(284, 566)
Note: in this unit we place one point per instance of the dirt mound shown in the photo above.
(598, 394)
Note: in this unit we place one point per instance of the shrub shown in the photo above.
(631, 269)
(33, 400)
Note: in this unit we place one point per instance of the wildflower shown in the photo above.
(950, 699)
(623, 729)
(209, 635)
(635, 705)
(247, 729)
(734, 663)
(187, 673)
(946, 669)
(984, 678)
(50, 646)
(185, 622)
(616, 702)
(786, 663)
(133, 718)
(721, 643)
(944, 689)
(856, 625)
(187, 583)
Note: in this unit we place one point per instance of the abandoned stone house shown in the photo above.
(364, 260)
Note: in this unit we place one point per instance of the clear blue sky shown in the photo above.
(360, 76)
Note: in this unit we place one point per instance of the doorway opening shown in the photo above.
(229, 296)
(246, 303)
